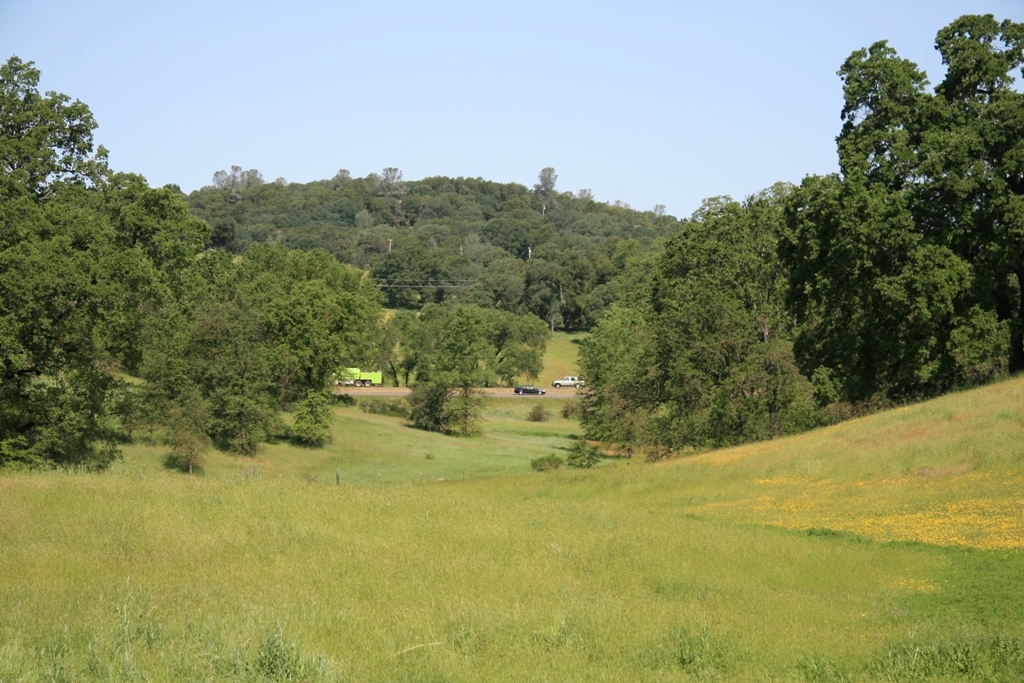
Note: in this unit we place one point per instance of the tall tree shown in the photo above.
(701, 355)
(544, 190)
(84, 254)
(257, 334)
(45, 139)
(906, 269)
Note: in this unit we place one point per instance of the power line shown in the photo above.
(415, 283)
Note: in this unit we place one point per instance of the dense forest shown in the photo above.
(898, 278)
(557, 255)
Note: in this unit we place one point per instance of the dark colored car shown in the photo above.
(529, 389)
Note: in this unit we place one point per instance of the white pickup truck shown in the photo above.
(568, 381)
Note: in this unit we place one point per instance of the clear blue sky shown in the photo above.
(647, 102)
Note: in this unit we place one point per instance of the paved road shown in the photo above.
(355, 392)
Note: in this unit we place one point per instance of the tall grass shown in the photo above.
(707, 568)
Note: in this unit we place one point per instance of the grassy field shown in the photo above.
(886, 548)
(560, 357)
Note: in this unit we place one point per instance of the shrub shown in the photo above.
(436, 407)
(188, 451)
(313, 420)
(546, 462)
(383, 406)
(572, 409)
(582, 455)
(426, 407)
(344, 399)
(537, 414)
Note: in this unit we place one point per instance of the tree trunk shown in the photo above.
(1017, 336)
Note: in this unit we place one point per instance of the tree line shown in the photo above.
(896, 279)
(115, 315)
(556, 255)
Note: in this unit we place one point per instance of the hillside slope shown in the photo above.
(628, 572)
(949, 472)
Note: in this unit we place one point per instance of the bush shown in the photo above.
(436, 407)
(537, 414)
(344, 399)
(582, 455)
(572, 409)
(546, 462)
(383, 406)
(313, 420)
(426, 407)
(188, 451)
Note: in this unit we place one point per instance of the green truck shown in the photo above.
(356, 377)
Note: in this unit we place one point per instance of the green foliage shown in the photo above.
(455, 348)
(436, 407)
(442, 239)
(84, 255)
(538, 413)
(252, 334)
(188, 421)
(383, 406)
(699, 354)
(313, 420)
(217, 352)
(582, 455)
(427, 407)
(546, 463)
(466, 345)
(572, 409)
(45, 140)
(345, 399)
(99, 273)
(461, 412)
(905, 270)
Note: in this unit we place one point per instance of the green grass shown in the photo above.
(560, 357)
(719, 567)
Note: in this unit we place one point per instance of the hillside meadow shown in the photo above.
(885, 548)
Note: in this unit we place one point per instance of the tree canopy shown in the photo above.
(900, 277)
(906, 269)
(101, 275)
(466, 240)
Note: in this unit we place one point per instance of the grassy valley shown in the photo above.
(886, 548)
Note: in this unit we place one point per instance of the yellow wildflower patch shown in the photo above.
(975, 509)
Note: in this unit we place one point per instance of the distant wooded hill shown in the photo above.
(558, 255)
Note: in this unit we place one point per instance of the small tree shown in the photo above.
(462, 412)
(426, 407)
(537, 414)
(188, 421)
(444, 399)
(313, 420)
(582, 455)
